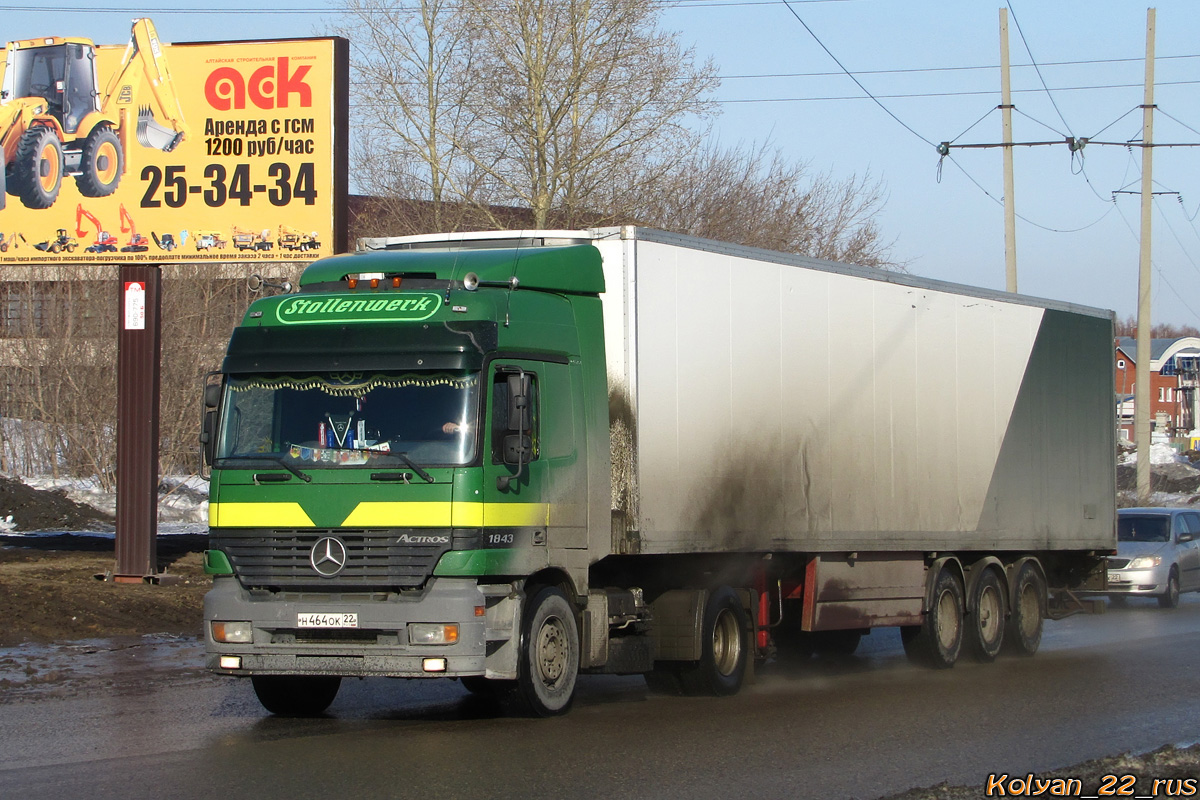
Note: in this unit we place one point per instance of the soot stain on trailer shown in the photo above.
(758, 496)
(622, 443)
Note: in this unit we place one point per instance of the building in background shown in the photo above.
(1174, 376)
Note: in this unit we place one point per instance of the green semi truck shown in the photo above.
(515, 458)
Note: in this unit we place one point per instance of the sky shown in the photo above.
(934, 69)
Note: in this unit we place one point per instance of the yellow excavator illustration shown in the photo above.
(55, 120)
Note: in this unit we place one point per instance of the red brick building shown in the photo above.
(1174, 376)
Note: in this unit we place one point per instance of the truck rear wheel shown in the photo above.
(38, 168)
(1024, 633)
(723, 650)
(938, 640)
(985, 629)
(296, 695)
(549, 656)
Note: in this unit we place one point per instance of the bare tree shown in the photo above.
(532, 103)
(754, 195)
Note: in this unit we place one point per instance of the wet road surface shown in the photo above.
(138, 719)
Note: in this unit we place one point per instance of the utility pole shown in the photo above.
(1010, 210)
(1141, 394)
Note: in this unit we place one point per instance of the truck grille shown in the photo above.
(376, 560)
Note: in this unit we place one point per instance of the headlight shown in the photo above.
(1145, 562)
(432, 633)
(233, 632)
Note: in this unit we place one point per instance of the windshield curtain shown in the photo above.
(1143, 529)
(356, 419)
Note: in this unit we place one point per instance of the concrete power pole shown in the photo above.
(1010, 209)
(1141, 394)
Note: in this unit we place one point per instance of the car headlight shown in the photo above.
(1145, 562)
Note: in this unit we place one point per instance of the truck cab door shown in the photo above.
(533, 474)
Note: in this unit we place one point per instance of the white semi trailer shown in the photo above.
(674, 455)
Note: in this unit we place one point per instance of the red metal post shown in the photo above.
(139, 343)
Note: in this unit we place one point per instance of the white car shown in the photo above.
(1158, 554)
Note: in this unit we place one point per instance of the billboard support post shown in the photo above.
(139, 344)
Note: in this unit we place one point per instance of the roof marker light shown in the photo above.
(374, 283)
(395, 281)
(352, 283)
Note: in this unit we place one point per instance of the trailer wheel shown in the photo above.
(985, 629)
(38, 168)
(295, 695)
(938, 640)
(549, 658)
(723, 649)
(101, 163)
(1024, 633)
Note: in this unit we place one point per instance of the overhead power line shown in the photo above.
(974, 93)
(959, 68)
(850, 74)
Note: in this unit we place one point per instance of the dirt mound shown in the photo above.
(1172, 478)
(41, 510)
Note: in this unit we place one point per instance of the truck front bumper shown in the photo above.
(377, 645)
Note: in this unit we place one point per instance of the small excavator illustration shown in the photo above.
(105, 242)
(137, 242)
(58, 244)
(10, 241)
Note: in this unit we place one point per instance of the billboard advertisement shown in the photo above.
(150, 151)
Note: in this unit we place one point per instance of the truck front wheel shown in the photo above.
(295, 695)
(549, 656)
(723, 651)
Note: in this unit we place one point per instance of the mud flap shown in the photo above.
(503, 631)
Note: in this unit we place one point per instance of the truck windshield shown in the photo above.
(350, 419)
(1143, 529)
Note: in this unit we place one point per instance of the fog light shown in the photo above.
(433, 664)
(432, 633)
(231, 662)
(233, 632)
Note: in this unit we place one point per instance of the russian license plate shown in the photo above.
(327, 620)
(1116, 577)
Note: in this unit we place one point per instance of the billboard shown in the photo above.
(172, 152)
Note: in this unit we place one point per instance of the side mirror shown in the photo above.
(208, 421)
(518, 403)
(517, 448)
(1185, 537)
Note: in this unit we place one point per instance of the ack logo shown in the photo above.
(268, 87)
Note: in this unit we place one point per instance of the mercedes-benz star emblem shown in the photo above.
(328, 556)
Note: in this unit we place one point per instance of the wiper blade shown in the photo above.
(408, 462)
(273, 459)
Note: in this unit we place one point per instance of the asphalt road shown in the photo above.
(1128, 680)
